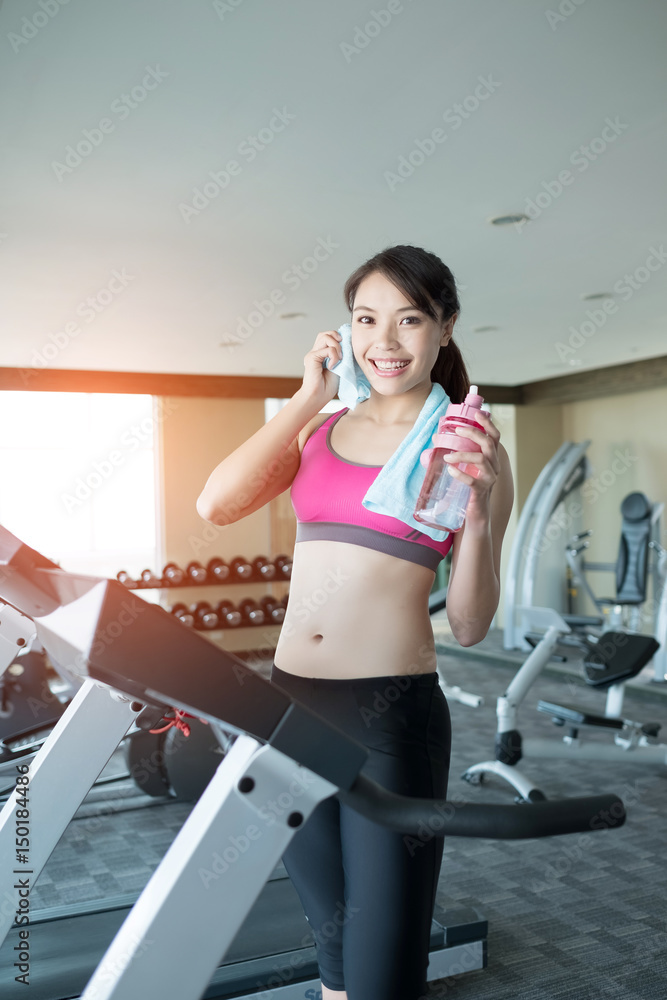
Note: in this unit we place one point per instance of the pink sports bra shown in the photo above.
(326, 495)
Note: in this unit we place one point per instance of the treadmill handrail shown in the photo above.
(441, 818)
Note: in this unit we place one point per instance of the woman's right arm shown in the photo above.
(265, 465)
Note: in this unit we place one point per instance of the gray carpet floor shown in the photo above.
(581, 917)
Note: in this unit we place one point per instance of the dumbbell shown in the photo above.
(173, 575)
(283, 566)
(205, 617)
(228, 615)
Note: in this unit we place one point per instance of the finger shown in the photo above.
(464, 477)
(476, 434)
(463, 457)
(330, 349)
(474, 464)
(488, 424)
(488, 443)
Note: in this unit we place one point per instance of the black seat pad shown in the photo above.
(618, 656)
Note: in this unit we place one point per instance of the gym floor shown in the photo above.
(569, 917)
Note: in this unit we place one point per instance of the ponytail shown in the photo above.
(451, 372)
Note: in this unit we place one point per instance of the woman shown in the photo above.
(364, 656)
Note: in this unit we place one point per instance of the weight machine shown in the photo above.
(535, 577)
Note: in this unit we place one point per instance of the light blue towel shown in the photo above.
(396, 488)
(353, 387)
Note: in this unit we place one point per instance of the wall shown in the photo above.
(628, 452)
(195, 436)
(539, 435)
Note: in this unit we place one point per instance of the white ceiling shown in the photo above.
(225, 68)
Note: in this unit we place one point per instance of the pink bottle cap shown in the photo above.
(459, 415)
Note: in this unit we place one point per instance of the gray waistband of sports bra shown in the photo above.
(355, 534)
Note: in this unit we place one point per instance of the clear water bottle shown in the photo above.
(443, 499)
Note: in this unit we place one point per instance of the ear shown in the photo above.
(447, 329)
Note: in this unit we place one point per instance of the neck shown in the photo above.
(395, 409)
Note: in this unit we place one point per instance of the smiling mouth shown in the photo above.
(388, 366)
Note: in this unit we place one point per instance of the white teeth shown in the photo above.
(389, 365)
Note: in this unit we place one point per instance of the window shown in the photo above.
(77, 478)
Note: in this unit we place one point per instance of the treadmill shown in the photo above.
(223, 869)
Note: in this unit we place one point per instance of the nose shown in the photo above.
(385, 338)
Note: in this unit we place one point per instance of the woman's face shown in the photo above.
(394, 343)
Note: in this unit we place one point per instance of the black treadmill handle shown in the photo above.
(440, 818)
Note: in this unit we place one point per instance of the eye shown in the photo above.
(360, 319)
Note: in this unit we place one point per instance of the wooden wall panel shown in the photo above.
(148, 383)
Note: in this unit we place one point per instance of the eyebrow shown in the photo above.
(403, 309)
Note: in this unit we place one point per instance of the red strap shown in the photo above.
(177, 720)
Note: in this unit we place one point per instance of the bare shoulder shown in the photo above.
(310, 428)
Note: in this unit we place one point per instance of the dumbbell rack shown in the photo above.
(241, 638)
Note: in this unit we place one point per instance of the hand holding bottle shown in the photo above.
(481, 467)
(464, 452)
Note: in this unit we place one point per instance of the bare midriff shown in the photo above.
(355, 612)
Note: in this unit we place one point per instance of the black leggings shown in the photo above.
(368, 892)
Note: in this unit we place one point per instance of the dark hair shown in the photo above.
(427, 283)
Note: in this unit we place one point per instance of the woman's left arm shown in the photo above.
(473, 591)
